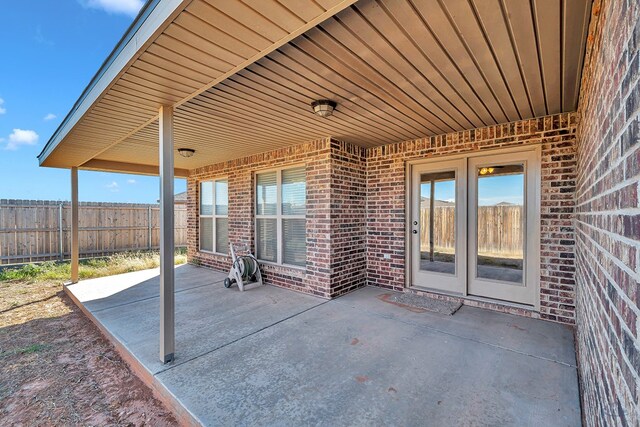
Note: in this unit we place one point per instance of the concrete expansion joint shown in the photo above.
(461, 337)
(155, 296)
(175, 364)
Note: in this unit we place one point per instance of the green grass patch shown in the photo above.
(89, 268)
(33, 348)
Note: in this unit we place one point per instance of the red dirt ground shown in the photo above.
(57, 369)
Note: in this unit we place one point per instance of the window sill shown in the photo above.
(202, 251)
(288, 266)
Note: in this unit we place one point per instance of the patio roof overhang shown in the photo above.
(240, 76)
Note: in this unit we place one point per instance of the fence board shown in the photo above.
(30, 229)
(499, 230)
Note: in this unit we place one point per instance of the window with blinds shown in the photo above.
(214, 220)
(281, 200)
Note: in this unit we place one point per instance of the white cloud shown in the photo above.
(21, 137)
(2, 109)
(131, 181)
(127, 7)
(49, 116)
(113, 187)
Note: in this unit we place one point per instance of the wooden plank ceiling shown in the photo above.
(398, 69)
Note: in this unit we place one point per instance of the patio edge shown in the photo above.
(182, 414)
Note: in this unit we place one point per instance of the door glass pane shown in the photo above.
(222, 198)
(500, 209)
(266, 194)
(266, 239)
(206, 198)
(437, 226)
(294, 193)
(294, 250)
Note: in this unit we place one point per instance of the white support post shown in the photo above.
(167, 246)
(75, 245)
(60, 233)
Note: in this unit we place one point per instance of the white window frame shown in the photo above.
(213, 216)
(278, 216)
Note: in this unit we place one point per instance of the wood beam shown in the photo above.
(167, 244)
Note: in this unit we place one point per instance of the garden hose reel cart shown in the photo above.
(244, 267)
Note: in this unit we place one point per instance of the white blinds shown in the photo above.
(206, 234)
(294, 194)
(206, 198)
(281, 228)
(222, 235)
(266, 194)
(214, 208)
(222, 197)
(294, 241)
(266, 239)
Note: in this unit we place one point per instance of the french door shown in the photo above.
(438, 225)
(474, 224)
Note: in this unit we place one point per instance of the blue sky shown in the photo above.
(491, 190)
(50, 51)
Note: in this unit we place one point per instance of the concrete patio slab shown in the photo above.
(111, 291)
(208, 315)
(270, 356)
(533, 337)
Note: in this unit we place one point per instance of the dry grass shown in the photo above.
(57, 369)
(89, 268)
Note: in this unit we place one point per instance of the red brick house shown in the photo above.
(477, 151)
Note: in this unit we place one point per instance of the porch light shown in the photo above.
(186, 152)
(323, 107)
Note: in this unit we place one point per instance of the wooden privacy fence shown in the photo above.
(37, 230)
(499, 229)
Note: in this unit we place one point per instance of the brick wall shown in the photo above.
(386, 204)
(356, 209)
(348, 216)
(335, 208)
(608, 217)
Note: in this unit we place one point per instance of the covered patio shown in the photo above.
(323, 134)
(221, 93)
(268, 356)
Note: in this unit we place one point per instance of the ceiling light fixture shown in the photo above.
(186, 152)
(323, 107)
